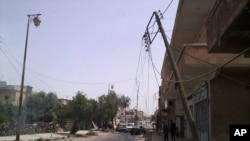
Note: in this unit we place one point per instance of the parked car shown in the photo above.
(130, 126)
(121, 127)
(135, 130)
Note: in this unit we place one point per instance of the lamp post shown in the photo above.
(110, 86)
(37, 22)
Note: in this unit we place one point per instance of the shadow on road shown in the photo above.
(148, 136)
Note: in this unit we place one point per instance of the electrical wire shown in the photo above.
(6, 51)
(140, 64)
(84, 83)
(209, 72)
(211, 64)
(148, 86)
(27, 78)
(52, 78)
(13, 66)
(167, 7)
(139, 80)
(220, 73)
(151, 58)
(199, 76)
(137, 68)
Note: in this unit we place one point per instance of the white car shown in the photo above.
(130, 126)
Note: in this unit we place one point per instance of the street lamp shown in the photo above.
(37, 22)
(110, 86)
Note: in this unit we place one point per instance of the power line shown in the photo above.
(52, 78)
(209, 72)
(85, 83)
(200, 60)
(148, 86)
(167, 7)
(197, 77)
(151, 58)
(5, 50)
(13, 66)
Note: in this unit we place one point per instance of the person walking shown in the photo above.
(165, 131)
(173, 129)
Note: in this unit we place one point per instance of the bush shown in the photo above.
(3, 119)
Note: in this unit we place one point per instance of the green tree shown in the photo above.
(50, 113)
(78, 110)
(93, 108)
(101, 110)
(8, 111)
(35, 107)
(107, 107)
(41, 107)
(124, 102)
(113, 103)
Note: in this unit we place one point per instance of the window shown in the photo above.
(6, 97)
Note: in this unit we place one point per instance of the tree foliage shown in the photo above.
(3, 119)
(124, 101)
(82, 110)
(44, 107)
(41, 107)
(108, 107)
(8, 112)
(78, 107)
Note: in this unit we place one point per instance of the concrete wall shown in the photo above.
(230, 104)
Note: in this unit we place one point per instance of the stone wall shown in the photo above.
(7, 129)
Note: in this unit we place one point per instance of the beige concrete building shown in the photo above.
(12, 92)
(209, 44)
(128, 115)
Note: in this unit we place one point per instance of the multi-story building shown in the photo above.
(12, 92)
(211, 46)
(125, 116)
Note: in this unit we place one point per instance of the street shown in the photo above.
(116, 136)
(102, 136)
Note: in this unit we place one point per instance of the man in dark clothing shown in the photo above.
(165, 131)
(173, 130)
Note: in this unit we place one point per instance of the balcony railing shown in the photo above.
(221, 17)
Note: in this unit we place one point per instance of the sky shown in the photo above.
(87, 46)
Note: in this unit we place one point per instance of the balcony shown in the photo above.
(194, 72)
(228, 27)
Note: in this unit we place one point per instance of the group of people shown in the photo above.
(171, 128)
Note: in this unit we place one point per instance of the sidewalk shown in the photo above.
(150, 136)
(156, 136)
(59, 136)
(34, 137)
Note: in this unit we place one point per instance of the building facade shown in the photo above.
(211, 45)
(12, 92)
(129, 115)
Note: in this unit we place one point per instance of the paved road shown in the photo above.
(102, 136)
(117, 136)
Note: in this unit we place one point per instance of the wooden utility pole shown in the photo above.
(136, 115)
(178, 80)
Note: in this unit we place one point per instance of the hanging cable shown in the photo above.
(209, 72)
(167, 7)
(153, 65)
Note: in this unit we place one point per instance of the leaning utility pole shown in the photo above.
(178, 79)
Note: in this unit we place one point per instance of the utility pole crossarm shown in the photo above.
(178, 79)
